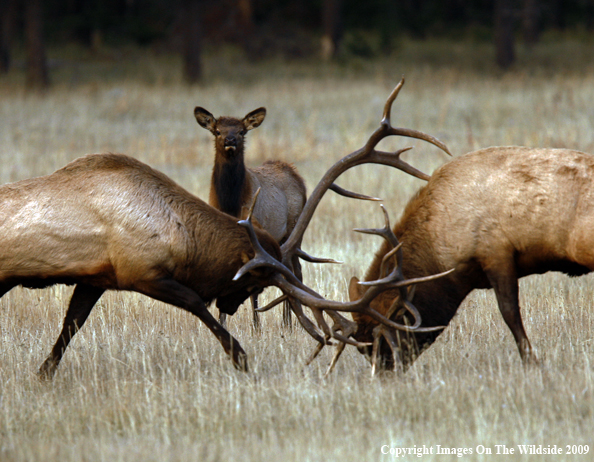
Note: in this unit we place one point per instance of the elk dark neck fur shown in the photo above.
(228, 181)
(438, 300)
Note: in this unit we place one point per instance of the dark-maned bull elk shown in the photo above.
(494, 215)
(110, 222)
(233, 186)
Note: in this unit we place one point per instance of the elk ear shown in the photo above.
(205, 118)
(355, 290)
(254, 118)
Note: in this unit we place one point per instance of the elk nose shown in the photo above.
(230, 144)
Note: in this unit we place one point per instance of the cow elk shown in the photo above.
(233, 185)
(494, 215)
(110, 222)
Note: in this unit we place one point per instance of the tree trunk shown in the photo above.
(37, 74)
(7, 21)
(243, 25)
(530, 17)
(191, 32)
(331, 18)
(504, 34)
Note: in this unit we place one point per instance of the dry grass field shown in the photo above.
(145, 381)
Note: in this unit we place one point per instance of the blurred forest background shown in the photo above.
(261, 29)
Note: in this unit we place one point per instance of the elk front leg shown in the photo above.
(255, 315)
(172, 292)
(504, 280)
(82, 301)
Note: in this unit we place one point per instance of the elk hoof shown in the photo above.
(47, 370)
(240, 361)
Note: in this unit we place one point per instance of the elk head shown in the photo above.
(229, 132)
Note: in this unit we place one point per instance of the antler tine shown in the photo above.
(385, 232)
(388, 107)
(387, 125)
(263, 259)
(333, 333)
(408, 306)
(392, 159)
(314, 354)
(251, 210)
(272, 304)
(379, 332)
(352, 195)
(362, 305)
(406, 282)
(348, 328)
(305, 256)
(307, 324)
(389, 255)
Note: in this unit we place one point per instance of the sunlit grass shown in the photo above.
(145, 381)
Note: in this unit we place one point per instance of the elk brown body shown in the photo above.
(494, 215)
(110, 222)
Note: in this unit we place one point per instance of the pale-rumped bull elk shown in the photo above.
(233, 185)
(495, 215)
(110, 222)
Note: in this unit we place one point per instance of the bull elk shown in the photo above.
(110, 222)
(495, 215)
(233, 186)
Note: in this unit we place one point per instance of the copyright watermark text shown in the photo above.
(497, 449)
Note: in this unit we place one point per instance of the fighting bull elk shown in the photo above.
(494, 215)
(233, 185)
(109, 222)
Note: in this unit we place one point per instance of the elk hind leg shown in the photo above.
(172, 292)
(504, 280)
(83, 299)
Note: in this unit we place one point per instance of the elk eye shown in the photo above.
(218, 132)
(242, 132)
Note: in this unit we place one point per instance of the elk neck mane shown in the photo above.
(228, 182)
(436, 300)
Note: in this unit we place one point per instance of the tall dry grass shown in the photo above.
(145, 381)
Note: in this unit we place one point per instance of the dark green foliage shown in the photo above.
(147, 22)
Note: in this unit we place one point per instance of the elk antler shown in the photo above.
(366, 155)
(406, 296)
(285, 280)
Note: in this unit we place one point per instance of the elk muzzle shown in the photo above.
(230, 145)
